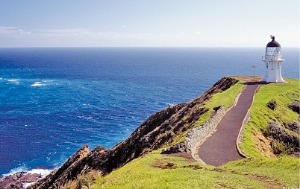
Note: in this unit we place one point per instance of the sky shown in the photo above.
(148, 23)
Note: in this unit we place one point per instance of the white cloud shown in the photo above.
(14, 36)
(12, 30)
(81, 37)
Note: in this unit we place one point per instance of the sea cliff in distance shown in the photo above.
(156, 155)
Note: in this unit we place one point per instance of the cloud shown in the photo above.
(73, 37)
(82, 37)
(12, 30)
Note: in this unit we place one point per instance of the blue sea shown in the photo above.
(54, 100)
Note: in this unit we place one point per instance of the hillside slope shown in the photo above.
(138, 163)
(160, 129)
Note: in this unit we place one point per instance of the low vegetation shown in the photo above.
(166, 171)
(271, 105)
(217, 100)
(262, 169)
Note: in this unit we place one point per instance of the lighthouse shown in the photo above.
(273, 60)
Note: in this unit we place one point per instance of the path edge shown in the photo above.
(195, 152)
(245, 120)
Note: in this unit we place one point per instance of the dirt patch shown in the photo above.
(164, 163)
(223, 185)
(263, 144)
(268, 182)
(220, 170)
(249, 78)
(195, 167)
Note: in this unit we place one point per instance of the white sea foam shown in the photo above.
(27, 184)
(23, 168)
(12, 80)
(43, 172)
(15, 81)
(37, 84)
(170, 104)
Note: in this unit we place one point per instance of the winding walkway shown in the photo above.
(220, 147)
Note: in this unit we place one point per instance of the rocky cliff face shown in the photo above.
(158, 130)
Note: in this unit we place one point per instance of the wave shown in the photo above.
(37, 84)
(12, 80)
(170, 104)
(23, 168)
(31, 82)
(15, 81)
(42, 172)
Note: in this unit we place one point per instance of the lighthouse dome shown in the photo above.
(273, 43)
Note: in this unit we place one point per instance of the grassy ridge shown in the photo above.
(165, 171)
(161, 171)
(261, 115)
(226, 99)
(215, 101)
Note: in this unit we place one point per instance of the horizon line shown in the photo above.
(139, 47)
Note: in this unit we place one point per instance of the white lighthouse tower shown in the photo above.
(273, 60)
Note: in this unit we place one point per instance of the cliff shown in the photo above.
(158, 130)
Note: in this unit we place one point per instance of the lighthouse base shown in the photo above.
(273, 78)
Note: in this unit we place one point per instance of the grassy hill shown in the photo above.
(269, 163)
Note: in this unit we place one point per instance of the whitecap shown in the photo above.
(16, 81)
(37, 84)
(12, 80)
(22, 168)
(27, 184)
(170, 104)
(42, 172)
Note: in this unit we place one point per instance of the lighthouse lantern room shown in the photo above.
(273, 60)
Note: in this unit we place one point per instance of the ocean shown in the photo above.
(54, 100)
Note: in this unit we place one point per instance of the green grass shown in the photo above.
(284, 170)
(151, 172)
(165, 171)
(261, 115)
(225, 98)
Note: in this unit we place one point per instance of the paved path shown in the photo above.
(220, 148)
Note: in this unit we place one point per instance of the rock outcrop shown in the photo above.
(295, 106)
(272, 104)
(158, 130)
(70, 169)
(283, 141)
(176, 148)
(16, 180)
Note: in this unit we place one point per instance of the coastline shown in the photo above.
(33, 114)
(23, 178)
